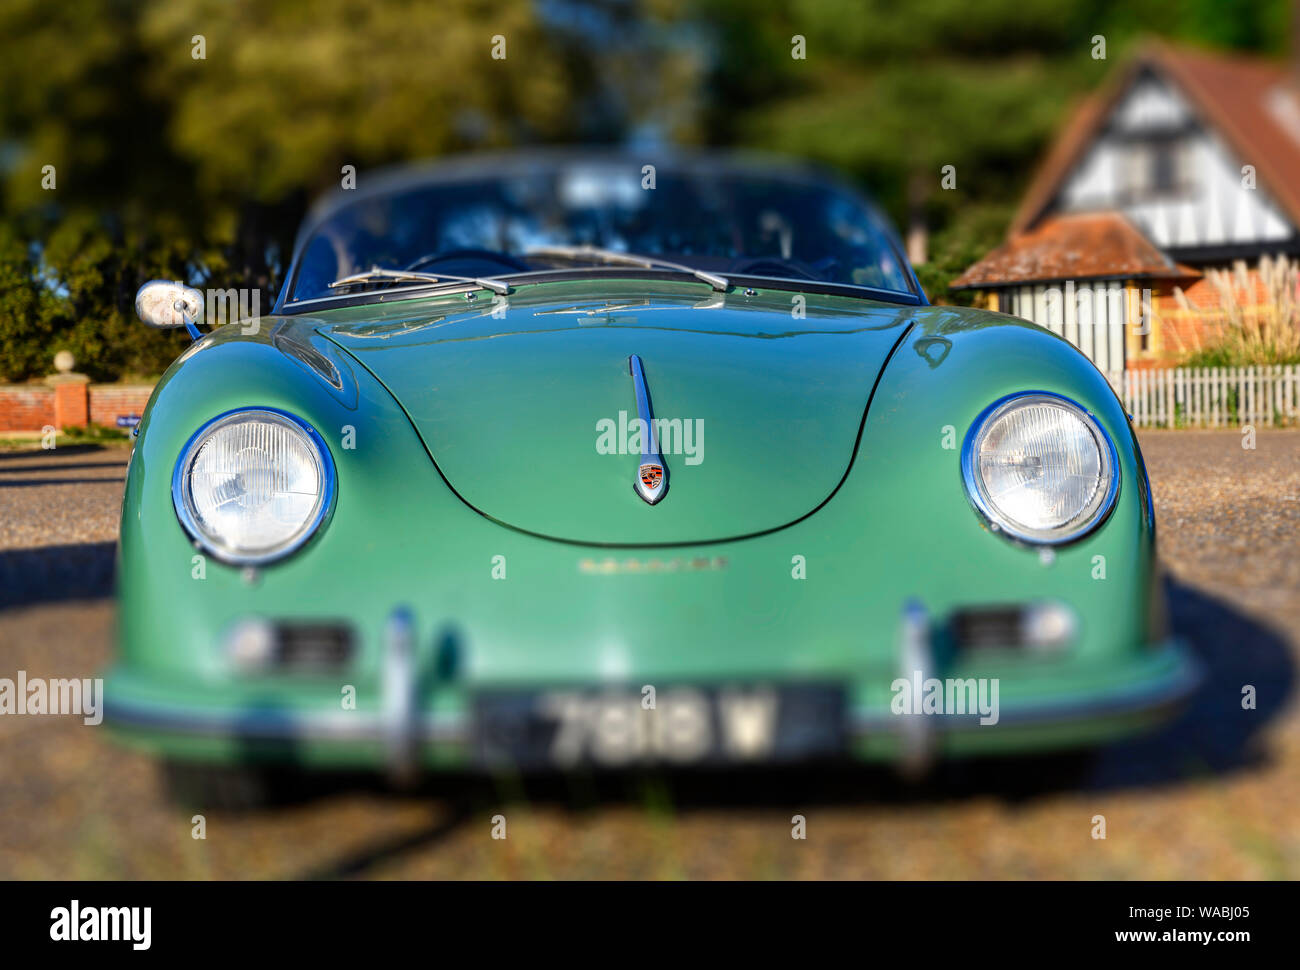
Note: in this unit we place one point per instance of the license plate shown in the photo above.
(618, 727)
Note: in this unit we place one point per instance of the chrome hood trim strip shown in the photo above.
(651, 481)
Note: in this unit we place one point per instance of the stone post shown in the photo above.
(71, 393)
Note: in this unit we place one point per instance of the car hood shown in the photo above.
(526, 403)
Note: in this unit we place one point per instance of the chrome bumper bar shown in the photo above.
(403, 729)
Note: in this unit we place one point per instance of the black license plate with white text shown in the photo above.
(619, 727)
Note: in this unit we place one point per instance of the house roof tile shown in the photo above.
(1094, 245)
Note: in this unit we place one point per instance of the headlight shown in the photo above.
(253, 485)
(1040, 468)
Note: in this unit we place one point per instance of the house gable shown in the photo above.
(1174, 113)
(1155, 159)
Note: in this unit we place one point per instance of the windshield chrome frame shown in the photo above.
(420, 291)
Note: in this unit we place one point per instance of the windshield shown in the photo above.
(727, 221)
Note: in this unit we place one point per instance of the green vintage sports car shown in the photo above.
(577, 460)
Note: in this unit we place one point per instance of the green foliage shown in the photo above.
(966, 237)
(200, 169)
(289, 92)
(892, 93)
(91, 434)
(1231, 353)
(74, 290)
(25, 310)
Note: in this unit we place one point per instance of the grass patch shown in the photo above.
(94, 436)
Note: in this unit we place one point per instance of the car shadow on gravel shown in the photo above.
(49, 574)
(42, 482)
(64, 467)
(18, 454)
(1214, 736)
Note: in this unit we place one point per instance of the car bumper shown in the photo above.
(405, 729)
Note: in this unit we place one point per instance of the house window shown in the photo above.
(1135, 171)
(1172, 167)
(1164, 167)
(1153, 167)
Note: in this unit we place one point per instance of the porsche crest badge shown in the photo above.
(652, 476)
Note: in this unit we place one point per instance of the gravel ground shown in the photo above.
(1214, 795)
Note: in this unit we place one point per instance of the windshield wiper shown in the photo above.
(599, 255)
(375, 275)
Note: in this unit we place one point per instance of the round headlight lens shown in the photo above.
(253, 485)
(1040, 468)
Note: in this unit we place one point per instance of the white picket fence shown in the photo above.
(1210, 397)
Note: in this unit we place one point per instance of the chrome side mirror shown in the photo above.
(166, 304)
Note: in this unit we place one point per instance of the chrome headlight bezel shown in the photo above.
(975, 491)
(183, 504)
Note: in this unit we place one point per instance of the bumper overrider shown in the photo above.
(411, 726)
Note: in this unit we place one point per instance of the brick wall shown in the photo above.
(108, 401)
(30, 407)
(26, 407)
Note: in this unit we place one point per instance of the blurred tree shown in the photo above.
(25, 325)
(893, 93)
(187, 136)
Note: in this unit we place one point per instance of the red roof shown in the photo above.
(1236, 96)
(1090, 245)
